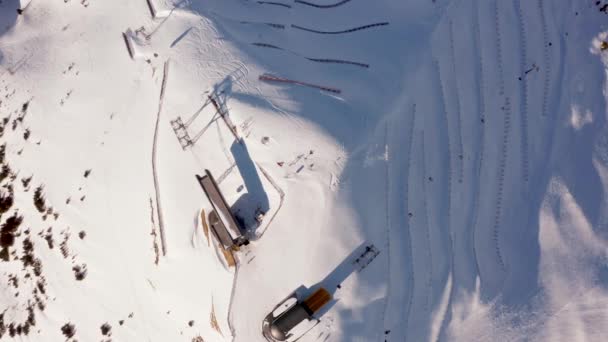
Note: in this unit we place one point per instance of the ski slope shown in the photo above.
(464, 139)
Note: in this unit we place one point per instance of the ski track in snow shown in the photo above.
(388, 221)
(429, 284)
(450, 161)
(481, 105)
(230, 313)
(281, 197)
(407, 227)
(445, 121)
(449, 126)
(457, 107)
(418, 228)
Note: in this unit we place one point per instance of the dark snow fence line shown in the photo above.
(152, 8)
(340, 3)
(501, 181)
(524, 92)
(267, 46)
(546, 56)
(320, 60)
(340, 32)
(274, 3)
(279, 26)
(273, 25)
(498, 41)
(128, 43)
(272, 78)
(337, 61)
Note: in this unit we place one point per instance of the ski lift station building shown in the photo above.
(221, 220)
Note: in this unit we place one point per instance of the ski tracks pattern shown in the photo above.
(429, 285)
(481, 105)
(408, 228)
(457, 107)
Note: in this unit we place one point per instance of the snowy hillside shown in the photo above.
(466, 140)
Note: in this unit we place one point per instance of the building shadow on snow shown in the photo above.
(333, 281)
(8, 18)
(255, 200)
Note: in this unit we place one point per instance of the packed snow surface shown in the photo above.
(466, 140)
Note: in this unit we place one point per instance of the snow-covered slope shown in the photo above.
(466, 140)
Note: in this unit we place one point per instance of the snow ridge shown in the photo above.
(159, 212)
